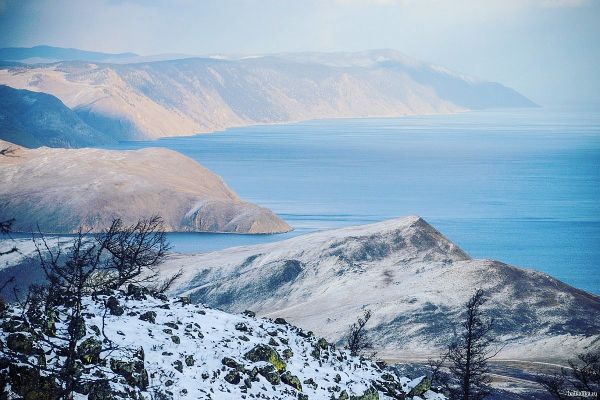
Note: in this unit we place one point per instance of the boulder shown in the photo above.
(291, 380)
(262, 352)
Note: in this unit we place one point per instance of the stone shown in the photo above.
(266, 353)
(291, 380)
(149, 316)
(20, 343)
(89, 351)
(233, 377)
(113, 306)
(421, 387)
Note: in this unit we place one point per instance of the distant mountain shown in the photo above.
(42, 54)
(60, 190)
(413, 279)
(195, 95)
(33, 119)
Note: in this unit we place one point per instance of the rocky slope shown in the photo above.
(60, 190)
(413, 279)
(33, 119)
(167, 349)
(194, 95)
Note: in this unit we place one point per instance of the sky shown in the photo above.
(548, 50)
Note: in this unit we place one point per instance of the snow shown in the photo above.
(209, 335)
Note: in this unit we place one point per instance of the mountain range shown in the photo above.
(185, 96)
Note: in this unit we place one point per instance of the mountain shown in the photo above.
(59, 190)
(33, 119)
(45, 54)
(164, 348)
(413, 279)
(195, 95)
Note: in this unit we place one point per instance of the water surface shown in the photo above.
(520, 186)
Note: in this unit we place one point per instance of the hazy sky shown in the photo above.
(547, 49)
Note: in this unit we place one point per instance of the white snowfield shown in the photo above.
(60, 190)
(413, 279)
(185, 348)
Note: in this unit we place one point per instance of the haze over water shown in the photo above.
(520, 186)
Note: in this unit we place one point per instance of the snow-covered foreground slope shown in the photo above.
(60, 190)
(413, 279)
(187, 351)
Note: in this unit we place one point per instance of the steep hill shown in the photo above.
(34, 119)
(167, 349)
(413, 279)
(194, 95)
(60, 190)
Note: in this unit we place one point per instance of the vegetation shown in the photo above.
(467, 355)
(357, 339)
(581, 380)
(47, 336)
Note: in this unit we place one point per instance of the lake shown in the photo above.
(520, 186)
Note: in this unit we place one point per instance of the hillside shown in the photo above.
(164, 348)
(413, 279)
(59, 190)
(33, 119)
(195, 95)
(45, 54)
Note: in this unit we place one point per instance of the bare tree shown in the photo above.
(469, 352)
(91, 264)
(580, 380)
(357, 339)
(134, 251)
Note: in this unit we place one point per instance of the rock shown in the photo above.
(175, 339)
(113, 306)
(280, 321)
(95, 329)
(291, 380)
(240, 326)
(89, 351)
(231, 363)
(266, 353)
(344, 395)
(137, 292)
(178, 365)
(421, 388)
(311, 382)
(185, 300)
(28, 383)
(133, 371)
(189, 360)
(369, 394)
(101, 390)
(20, 343)
(249, 313)
(139, 353)
(288, 353)
(270, 374)
(337, 378)
(233, 377)
(172, 325)
(323, 344)
(149, 316)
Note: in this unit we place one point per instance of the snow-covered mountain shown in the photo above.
(413, 279)
(169, 349)
(60, 190)
(195, 95)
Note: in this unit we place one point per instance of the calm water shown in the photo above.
(519, 186)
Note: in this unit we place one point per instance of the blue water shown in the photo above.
(520, 186)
